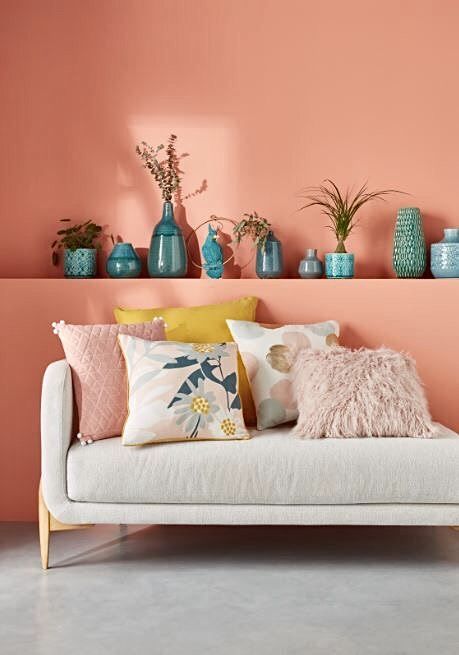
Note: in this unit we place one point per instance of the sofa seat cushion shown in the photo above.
(273, 467)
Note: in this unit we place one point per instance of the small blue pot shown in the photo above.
(80, 263)
(339, 265)
(444, 256)
(123, 261)
(310, 267)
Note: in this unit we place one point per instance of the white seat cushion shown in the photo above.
(273, 467)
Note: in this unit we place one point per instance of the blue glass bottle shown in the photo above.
(269, 260)
(167, 256)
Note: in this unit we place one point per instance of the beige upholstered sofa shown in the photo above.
(272, 478)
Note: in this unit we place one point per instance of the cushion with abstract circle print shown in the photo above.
(267, 354)
(181, 392)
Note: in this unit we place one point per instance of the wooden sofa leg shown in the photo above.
(46, 524)
(454, 527)
(43, 529)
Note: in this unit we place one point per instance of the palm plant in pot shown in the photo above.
(80, 244)
(341, 209)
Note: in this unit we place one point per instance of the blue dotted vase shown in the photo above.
(409, 254)
(80, 263)
(167, 256)
(339, 265)
(270, 262)
(444, 256)
(123, 261)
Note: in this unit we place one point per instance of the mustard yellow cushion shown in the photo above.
(203, 324)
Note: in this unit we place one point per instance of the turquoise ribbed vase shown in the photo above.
(409, 254)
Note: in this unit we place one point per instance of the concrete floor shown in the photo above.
(242, 590)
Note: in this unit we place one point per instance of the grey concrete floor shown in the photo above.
(219, 590)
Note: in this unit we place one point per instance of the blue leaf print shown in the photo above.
(188, 385)
(181, 362)
(230, 382)
(236, 404)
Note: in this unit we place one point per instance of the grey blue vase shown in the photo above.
(167, 256)
(310, 267)
(123, 261)
(339, 265)
(444, 256)
(409, 254)
(80, 263)
(269, 262)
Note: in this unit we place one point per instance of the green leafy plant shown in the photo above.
(341, 208)
(166, 172)
(254, 227)
(81, 235)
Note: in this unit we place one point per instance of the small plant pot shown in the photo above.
(80, 263)
(339, 265)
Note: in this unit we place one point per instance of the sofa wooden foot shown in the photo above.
(454, 527)
(43, 529)
(46, 524)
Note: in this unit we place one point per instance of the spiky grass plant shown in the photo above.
(341, 208)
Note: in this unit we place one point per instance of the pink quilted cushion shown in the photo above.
(99, 373)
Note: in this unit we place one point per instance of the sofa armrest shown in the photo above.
(56, 434)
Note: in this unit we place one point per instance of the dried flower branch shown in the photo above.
(255, 227)
(166, 172)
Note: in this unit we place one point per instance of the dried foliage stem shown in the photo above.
(166, 172)
(255, 227)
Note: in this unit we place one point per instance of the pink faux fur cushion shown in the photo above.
(359, 393)
(99, 373)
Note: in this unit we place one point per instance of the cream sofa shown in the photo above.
(272, 478)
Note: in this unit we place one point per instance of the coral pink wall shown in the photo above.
(267, 96)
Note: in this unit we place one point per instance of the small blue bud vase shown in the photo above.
(80, 263)
(409, 253)
(310, 267)
(269, 263)
(339, 265)
(167, 256)
(444, 256)
(123, 261)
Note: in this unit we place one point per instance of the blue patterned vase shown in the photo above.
(123, 261)
(81, 262)
(269, 262)
(444, 256)
(339, 265)
(167, 256)
(409, 254)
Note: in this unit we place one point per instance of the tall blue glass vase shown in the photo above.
(269, 262)
(167, 255)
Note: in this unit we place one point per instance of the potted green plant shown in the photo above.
(167, 256)
(80, 246)
(341, 209)
(269, 261)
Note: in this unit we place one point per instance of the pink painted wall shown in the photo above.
(267, 96)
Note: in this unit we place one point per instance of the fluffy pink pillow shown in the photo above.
(99, 373)
(360, 393)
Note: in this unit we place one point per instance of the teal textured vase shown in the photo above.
(167, 255)
(123, 261)
(269, 262)
(339, 265)
(80, 263)
(409, 254)
(444, 256)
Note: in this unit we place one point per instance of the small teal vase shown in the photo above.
(444, 256)
(339, 265)
(167, 255)
(80, 263)
(409, 253)
(269, 262)
(123, 261)
(310, 267)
